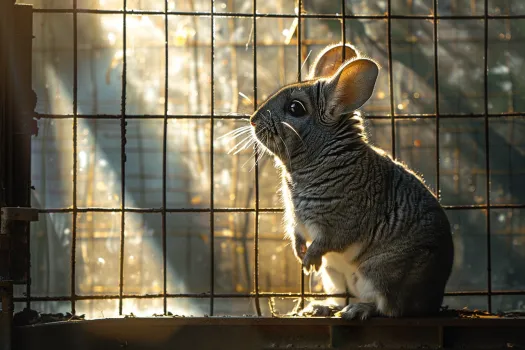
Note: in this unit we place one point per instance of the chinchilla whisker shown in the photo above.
(249, 137)
(246, 137)
(253, 166)
(246, 145)
(287, 152)
(258, 155)
(295, 132)
(280, 152)
(248, 160)
(249, 142)
(245, 97)
(302, 65)
(257, 159)
(236, 136)
(232, 138)
(246, 142)
(238, 130)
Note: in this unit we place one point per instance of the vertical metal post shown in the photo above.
(436, 87)
(257, 216)
(212, 162)
(487, 150)
(299, 76)
(17, 104)
(164, 158)
(73, 265)
(123, 124)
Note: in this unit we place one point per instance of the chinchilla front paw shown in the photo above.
(312, 260)
(299, 248)
(358, 311)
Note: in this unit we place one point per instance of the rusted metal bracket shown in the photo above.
(19, 214)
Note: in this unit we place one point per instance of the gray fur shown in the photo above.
(340, 192)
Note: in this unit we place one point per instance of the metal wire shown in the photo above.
(212, 179)
(299, 75)
(123, 124)
(487, 153)
(75, 151)
(243, 295)
(436, 87)
(164, 160)
(241, 210)
(397, 116)
(255, 104)
(275, 15)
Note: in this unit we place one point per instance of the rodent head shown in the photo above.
(302, 118)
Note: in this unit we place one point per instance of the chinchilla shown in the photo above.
(359, 218)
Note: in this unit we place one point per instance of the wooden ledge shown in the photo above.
(274, 333)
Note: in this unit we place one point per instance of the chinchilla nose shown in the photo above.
(253, 119)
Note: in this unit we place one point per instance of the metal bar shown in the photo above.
(343, 51)
(123, 157)
(270, 43)
(391, 79)
(299, 78)
(246, 116)
(17, 102)
(436, 87)
(391, 90)
(75, 154)
(272, 15)
(243, 295)
(212, 178)
(244, 210)
(487, 155)
(164, 155)
(255, 104)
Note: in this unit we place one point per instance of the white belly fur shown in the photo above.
(343, 263)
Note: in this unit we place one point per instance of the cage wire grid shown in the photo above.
(256, 294)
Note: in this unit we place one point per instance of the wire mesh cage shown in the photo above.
(143, 209)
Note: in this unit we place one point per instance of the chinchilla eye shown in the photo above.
(296, 109)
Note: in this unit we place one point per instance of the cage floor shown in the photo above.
(274, 333)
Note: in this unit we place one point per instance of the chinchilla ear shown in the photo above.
(330, 59)
(349, 88)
